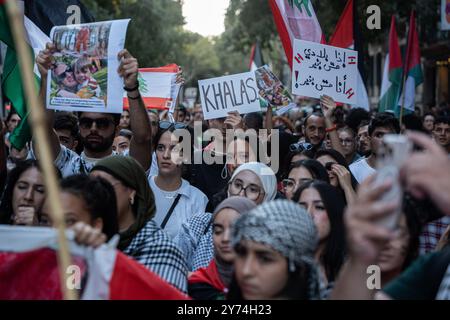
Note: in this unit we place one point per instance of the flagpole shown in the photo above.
(38, 125)
(405, 66)
(403, 101)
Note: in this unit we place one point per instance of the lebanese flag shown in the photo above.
(413, 70)
(256, 59)
(157, 87)
(392, 74)
(29, 270)
(344, 37)
(295, 20)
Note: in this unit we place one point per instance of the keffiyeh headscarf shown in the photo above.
(264, 173)
(287, 228)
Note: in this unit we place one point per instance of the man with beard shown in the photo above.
(363, 139)
(97, 130)
(383, 123)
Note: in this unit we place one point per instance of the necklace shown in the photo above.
(169, 195)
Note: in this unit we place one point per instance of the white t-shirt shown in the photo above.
(154, 170)
(361, 170)
(192, 202)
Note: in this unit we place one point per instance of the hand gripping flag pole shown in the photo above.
(38, 124)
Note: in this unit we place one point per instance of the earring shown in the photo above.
(131, 201)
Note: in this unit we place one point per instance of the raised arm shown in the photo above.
(365, 240)
(141, 143)
(328, 106)
(44, 63)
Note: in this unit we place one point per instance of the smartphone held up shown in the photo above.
(394, 151)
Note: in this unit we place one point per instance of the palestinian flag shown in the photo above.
(29, 270)
(39, 15)
(295, 19)
(392, 74)
(345, 36)
(413, 70)
(256, 59)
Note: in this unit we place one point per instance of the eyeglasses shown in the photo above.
(154, 123)
(252, 191)
(291, 185)
(167, 124)
(101, 123)
(300, 146)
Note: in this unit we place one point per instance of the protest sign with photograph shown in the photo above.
(272, 90)
(324, 70)
(84, 77)
(238, 92)
(157, 87)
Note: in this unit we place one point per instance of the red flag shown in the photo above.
(29, 270)
(395, 57)
(343, 34)
(413, 72)
(413, 50)
(295, 20)
(343, 37)
(392, 73)
(155, 86)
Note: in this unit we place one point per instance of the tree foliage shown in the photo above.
(156, 35)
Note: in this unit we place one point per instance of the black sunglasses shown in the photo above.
(167, 124)
(300, 146)
(101, 123)
(63, 75)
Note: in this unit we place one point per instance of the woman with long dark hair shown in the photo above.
(300, 172)
(326, 206)
(176, 199)
(338, 172)
(24, 194)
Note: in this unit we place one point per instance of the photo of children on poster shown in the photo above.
(271, 89)
(85, 67)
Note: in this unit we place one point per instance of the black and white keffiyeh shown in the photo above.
(287, 228)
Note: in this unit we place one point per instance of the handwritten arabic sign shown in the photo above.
(324, 70)
(230, 93)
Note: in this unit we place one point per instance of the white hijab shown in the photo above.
(264, 173)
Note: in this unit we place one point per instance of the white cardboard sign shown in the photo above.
(229, 93)
(324, 70)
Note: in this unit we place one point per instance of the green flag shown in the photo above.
(11, 82)
(392, 74)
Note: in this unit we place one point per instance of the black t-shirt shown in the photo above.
(209, 177)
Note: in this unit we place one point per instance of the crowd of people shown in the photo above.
(237, 229)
